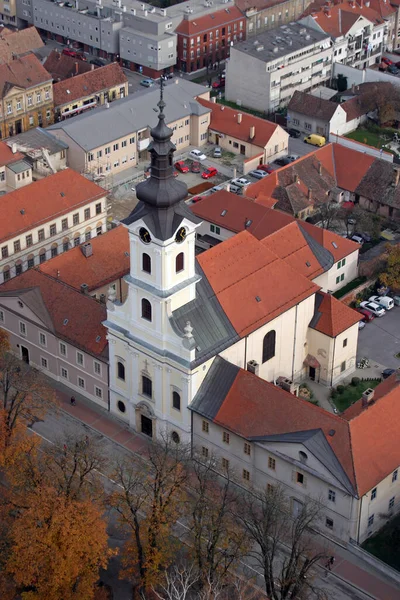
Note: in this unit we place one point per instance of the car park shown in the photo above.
(181, 166)
(385, 301)
(294, 133)
(210, 172)
(147, 82)
(217, 152)
(241, 182)
(99, 62)
(196, 167)
(367, 314)
(282, 161)
(373, 307)
(196, 199)
(387, 373)
(197, 155)
(266, 168)
(258, 174)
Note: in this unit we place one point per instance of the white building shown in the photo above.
(263, 73)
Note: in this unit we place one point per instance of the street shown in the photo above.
(350, 578)
(380, 339)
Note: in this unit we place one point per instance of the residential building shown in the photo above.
(262, 15)
(263, 74)
(258, 140)
(43, 151)
(83, 92)
(112, 138)
(61, 66)
(269, 437)
(379, 190)
(26, 96)
(59, 331)
(16, 42)
(97, 267)
(206, 40)
(47, 217)
(309, 114)
(15, 172)
(358, 32)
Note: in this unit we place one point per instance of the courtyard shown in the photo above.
(380, 340)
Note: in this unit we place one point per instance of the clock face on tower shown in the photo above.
(144, 235)
(180, 235)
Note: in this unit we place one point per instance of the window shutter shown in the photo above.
(294, 476)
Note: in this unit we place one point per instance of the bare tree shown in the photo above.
(283, 544)
(217, 541)
(329, 213)
(179, 580)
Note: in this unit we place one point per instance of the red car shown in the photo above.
(74, 54)
(195, 167)
(387, 61)
(265, 168)
(197, 199)
(218, 84)
(180, 166)
(210, 172)
(366, 313)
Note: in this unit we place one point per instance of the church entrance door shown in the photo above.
(147, 426)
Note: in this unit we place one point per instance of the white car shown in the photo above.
(197, 155)
(258, 174)
(361, 324)
(384, 301)
(217, 152)
(241, 182)
(373, 307)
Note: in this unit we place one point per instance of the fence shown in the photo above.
(360, 147)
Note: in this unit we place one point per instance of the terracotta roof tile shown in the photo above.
(353, 109)
(339, 18)
(7, 156)
(83, 314)
(62, 66)
(307, 104)
(225, 120)
(109, 261)
(15, 43)
(210, 21)
(333, 317)
(25, 72)
(88, 83)
(349, 178)
(252, 284)
(338, 246)
(43, 200)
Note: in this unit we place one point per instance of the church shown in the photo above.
(243, 301)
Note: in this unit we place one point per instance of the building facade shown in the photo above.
(44, 152)
(261, 15)
(263, 74)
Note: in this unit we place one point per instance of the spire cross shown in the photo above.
(161, 103)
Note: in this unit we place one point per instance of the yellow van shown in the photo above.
(315, 140)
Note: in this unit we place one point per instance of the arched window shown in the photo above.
(269, 346)
(146, 263)
(121, 370)
(146, 310)
(176, 401)
(180, 262)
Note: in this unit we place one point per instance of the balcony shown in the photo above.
(143, 144)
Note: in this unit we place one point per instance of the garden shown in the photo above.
(344, 396)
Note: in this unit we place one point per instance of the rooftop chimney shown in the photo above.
(14, 148)
(309, 193)
(240, 118)
(92, 67)
(84, 288)
(77, 68)
(319, 169)
(367, 397)
(87, 249)
(252, 132)
(396, 175)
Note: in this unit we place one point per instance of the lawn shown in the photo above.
(367, 137)
(385, 544)
(352, 393)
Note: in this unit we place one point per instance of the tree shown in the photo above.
(150, 499)
(391, 275)
(329, 214)
(217, 542)
(282, 543)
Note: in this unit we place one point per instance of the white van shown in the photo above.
(385, 301)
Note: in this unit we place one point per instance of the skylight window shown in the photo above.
(68, 92)
(308, 264)
(224, 212)
(258, 299)
(334, 244)
(65, 321)
(248, 223)
(98, 338)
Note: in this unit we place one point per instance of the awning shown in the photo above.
(311, 361)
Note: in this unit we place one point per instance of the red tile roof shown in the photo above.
(225, 120)
(210, 21)
(335, 316)
(252, 284)
(25, 72)
(44, 200)
(338, 246)
(349, 179)
(62, 66)
(109, 262)
(83, 314)
(353, 109)
(14, 43)
(337, 19)
(87, 84)
(7, 156)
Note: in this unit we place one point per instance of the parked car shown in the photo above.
(282, 161)
(387, 373)
(74, 54)
(357, 238)
(294, 133)
(315, 140)
(393, 69)
(197, 155)
(195, 168)
(265, 168)
(197, 199)
(218, 84)
(147, 82)
(241, 182)
(385, 301)
(375, 308)
(217, 152)
(361, 324)
(387, 61)
(99, 62)
(293, 157)
(367, 314)
(210, 172)
(181, 166)
(258, 174)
